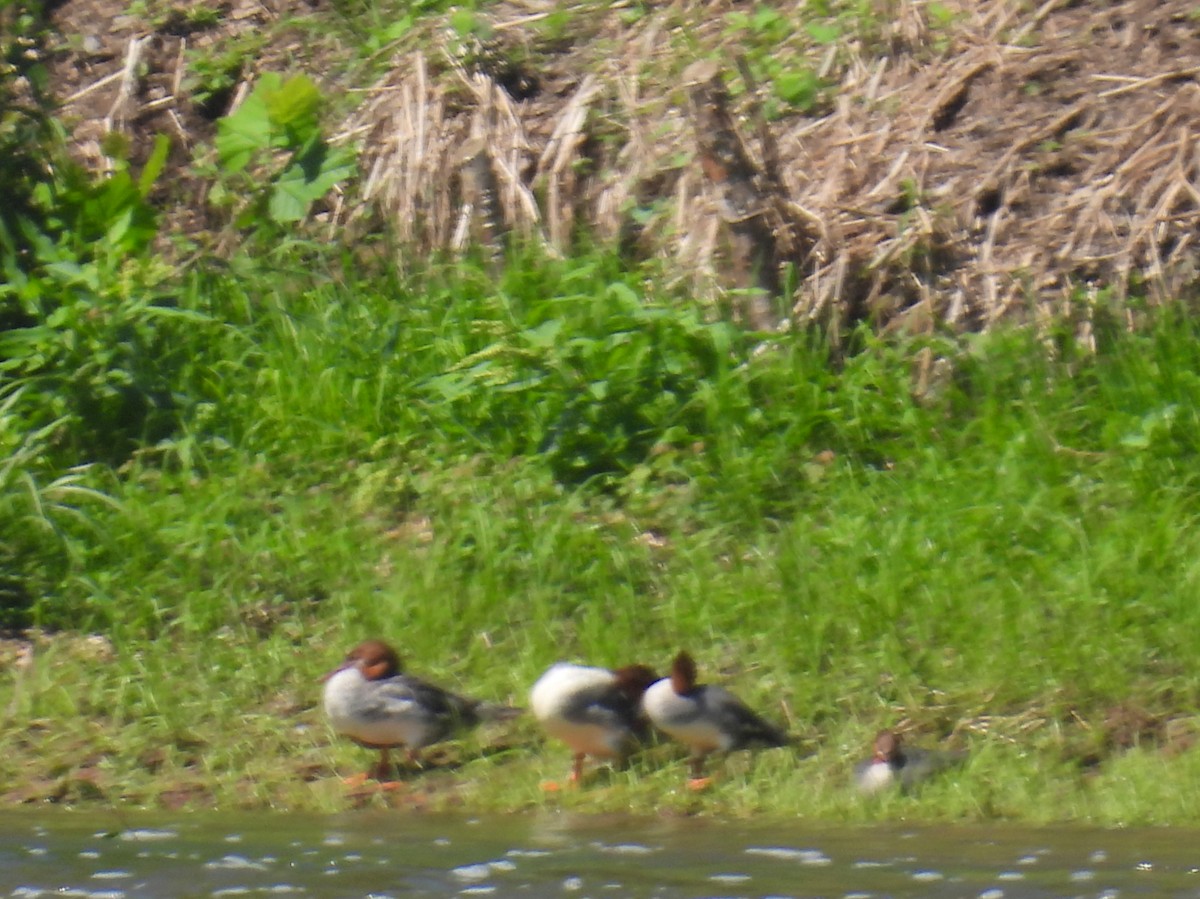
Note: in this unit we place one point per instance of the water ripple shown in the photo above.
(424, 856)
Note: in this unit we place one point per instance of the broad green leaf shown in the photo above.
(306, 180)
(294, 108)
(247, 130)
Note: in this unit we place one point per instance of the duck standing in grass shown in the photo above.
(369, 700)
(892, 763)
(705, 718)
(595, 711)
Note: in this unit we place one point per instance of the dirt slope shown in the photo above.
(960, 163)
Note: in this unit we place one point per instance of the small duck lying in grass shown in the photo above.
(893, 763)
(595, 711)
(705, 718)
(369, 700)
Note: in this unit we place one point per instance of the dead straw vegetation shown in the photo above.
(1004, 162)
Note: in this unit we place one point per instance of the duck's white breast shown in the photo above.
(875, 776)
(683, 717)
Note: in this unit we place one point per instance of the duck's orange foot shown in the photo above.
(366, 785)
(550, 786)
(697, 784)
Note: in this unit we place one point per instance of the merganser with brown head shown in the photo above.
(595, 711)
(369, 700)
(894, 763)
(705, 718)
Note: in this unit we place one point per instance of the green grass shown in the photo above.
(566, 464)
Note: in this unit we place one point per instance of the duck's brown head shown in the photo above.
(887, 746)
(633, 680)
(374, 659)
(683, 673)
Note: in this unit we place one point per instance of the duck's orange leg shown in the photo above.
(698, 781)
(574, 779)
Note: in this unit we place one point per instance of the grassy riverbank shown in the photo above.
(248, 418)
(570, 463)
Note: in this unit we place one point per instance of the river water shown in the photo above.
(402, 854)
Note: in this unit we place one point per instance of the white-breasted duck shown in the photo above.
(704, 717)
(595, 711)
(368, 699)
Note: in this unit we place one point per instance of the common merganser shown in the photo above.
(594, 711)
(705, 718)
(368, 700)
(892, 763)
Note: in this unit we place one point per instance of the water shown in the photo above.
(398, 854)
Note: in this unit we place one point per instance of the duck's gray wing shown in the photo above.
(604, 706)
(439, 710)
(917, 765)
(747, 727)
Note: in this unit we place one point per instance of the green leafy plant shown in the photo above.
(768, 39)
(279, 118)
(597, 383)
(90, 331)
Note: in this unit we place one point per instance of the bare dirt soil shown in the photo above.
(1007, 160)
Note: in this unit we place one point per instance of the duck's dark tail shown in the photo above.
(753, 730)
(771, 736)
